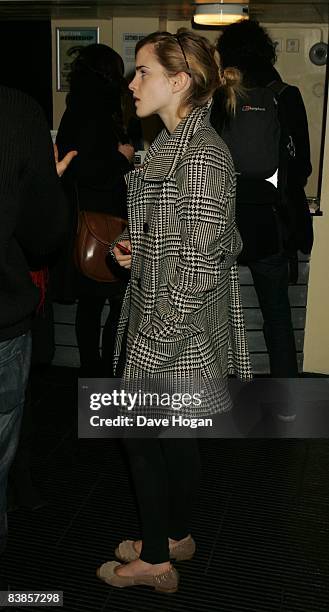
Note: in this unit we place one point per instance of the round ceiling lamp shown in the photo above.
(219, 14)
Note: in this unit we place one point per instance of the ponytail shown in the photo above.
(231, 83)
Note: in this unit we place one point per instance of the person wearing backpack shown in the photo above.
(269, 142)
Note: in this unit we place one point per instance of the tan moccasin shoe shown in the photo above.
(183, 551)
(165, 583)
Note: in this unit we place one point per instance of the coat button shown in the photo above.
(146, 227)
(139, 283)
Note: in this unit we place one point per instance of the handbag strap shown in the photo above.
(76, 194)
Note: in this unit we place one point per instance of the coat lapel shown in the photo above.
(167, 150)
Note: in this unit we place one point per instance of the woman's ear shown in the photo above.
(180, 82)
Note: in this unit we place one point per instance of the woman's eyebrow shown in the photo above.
(140, 67)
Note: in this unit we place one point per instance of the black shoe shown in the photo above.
(285, 412)
(26, 496)
(281, 411)
(286, 417)
(30, 499)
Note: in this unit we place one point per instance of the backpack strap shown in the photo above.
(288, 152)
(277, 87)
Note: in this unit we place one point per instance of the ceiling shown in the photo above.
(265, 10)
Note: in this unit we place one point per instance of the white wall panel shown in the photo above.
(296, 68)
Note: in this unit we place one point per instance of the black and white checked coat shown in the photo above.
(182, 305)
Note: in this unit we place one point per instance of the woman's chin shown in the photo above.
(139, 113)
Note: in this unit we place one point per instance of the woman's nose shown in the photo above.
(131, 85)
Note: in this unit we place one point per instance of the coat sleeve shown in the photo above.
(296, 118)
(209, 238)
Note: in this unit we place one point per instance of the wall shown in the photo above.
(22, 65)
(316, 347)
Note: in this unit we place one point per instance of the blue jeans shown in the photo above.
(271, 281)
(15, 357)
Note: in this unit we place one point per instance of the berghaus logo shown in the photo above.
(246, 108)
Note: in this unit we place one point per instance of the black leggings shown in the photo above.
(166, 475)
(88, 329)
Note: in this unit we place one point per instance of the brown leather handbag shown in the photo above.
(95, 232)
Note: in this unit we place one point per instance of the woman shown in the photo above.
(182, 309)
(92, 124)
(272, 232)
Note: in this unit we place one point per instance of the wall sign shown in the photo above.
(129, 42)
(68, 43)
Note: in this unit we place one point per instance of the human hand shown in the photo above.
(65, 162)
(123, 259)
(127, 150)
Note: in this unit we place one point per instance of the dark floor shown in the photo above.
(261, 522)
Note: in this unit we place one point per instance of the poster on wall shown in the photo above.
(68, 43)
(129, 42)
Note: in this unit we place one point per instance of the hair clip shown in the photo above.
(176, 36)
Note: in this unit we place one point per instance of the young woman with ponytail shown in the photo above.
(183, 301)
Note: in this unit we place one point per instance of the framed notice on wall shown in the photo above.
(68, 43)
(129, 42)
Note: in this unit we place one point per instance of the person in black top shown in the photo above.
(33, 221)
(248, 47)
(92, 124)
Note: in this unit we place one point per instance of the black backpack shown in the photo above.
(260, 144)
(253, 134)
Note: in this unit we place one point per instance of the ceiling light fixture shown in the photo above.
(219, 14)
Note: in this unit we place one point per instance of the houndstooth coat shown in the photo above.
(182, 305)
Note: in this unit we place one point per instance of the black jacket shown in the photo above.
(33, 208)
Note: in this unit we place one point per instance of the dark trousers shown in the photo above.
(271, 280)
(166, 476)
(88, 330)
